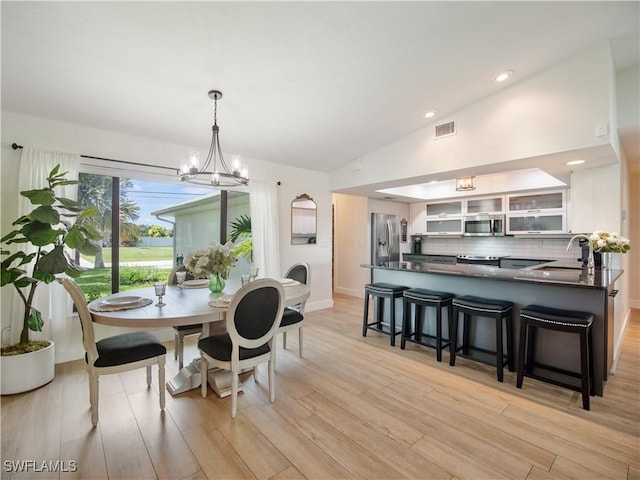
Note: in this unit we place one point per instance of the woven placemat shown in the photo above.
(103, 307)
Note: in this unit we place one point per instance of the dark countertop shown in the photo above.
(557, 272)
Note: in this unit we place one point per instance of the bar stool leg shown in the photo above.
(584, 364)
(405, 323)
(392, 323)
(522, 345)
(510, 359)
(499, 352)
(366, 314)
(465, 333)
(438, 333)
(453, 334)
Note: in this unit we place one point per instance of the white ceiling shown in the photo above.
(310, 84)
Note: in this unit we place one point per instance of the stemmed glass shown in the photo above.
(254, 273)
(161, 288)
(180, 276)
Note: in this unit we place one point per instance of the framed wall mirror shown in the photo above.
(303, 220)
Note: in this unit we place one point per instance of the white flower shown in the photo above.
(214, 258)
(609, 242)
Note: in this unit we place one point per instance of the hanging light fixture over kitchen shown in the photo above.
(220, 175)
(464, 184)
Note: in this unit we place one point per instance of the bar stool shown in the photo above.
(382, 291)
(420, 297)
(533, 317)
(472, 307)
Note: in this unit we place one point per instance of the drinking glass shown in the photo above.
(254, 273)
(244, 279)
(161, 288)
(180, 276)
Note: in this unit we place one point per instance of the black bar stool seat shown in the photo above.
(471, 307)
(533, 317)
(421, 297)
(382, 291)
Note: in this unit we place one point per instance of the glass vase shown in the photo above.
(216, 283)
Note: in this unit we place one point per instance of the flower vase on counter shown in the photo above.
(607, 260)
(216, 283)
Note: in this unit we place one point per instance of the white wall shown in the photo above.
(351, 244)
(555, 110)
(66, 137)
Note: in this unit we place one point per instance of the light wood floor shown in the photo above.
(353, 407)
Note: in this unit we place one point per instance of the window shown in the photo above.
(146, 225)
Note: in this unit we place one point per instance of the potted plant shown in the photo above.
(54, 223)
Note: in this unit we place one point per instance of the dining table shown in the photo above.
(193, 303)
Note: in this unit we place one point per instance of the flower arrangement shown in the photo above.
(212, 259)
(604, 242)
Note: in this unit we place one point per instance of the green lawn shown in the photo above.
(136, 254)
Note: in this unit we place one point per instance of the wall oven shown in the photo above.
(484, 225)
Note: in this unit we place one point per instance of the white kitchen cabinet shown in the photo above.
(484, 205)
(591, 207)
(450, 208)
(537, 202)
(417, 215)
(444, 226)
(536, 223)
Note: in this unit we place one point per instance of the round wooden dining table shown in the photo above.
(186, 306)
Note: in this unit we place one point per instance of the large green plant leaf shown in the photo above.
(43, 196)
(45, 214)
(35, 320)
(53, 262)
(41, 234)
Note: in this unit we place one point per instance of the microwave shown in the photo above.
(484, 225)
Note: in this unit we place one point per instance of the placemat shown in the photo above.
(221, 302)
(102, 307)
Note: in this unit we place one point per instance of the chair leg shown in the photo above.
(510, 359)
(255, 373)
(438, 333)
(406, 306)
(272, 386)
(284, 340)
(234, 394)
(300, 341)
(203, 376)
(180, 350)
(148, 376)
(93, 397)
(453, 337)
(161, 386)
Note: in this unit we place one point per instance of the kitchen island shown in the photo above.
(553, 284)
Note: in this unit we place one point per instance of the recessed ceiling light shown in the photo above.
(433, 181)
(575, 162)
(502, 76)
(430, 114)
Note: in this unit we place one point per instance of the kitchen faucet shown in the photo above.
(590, 263)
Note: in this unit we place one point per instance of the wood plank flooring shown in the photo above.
(353, 407)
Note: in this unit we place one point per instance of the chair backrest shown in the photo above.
(254, 315)
(300, 272)
(88, 335)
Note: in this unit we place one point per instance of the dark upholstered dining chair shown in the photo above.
(119, 353)
(252, 320)
(293, 317)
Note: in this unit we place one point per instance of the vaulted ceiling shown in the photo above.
(310, 84)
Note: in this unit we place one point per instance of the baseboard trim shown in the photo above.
(349, 292)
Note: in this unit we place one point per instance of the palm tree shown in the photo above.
(96, 190)
(241, 229)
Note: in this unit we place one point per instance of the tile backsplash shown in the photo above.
(543, 248)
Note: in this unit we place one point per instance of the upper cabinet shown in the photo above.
(537, 213)
(540, 202)
(484, 205)
(450, 208)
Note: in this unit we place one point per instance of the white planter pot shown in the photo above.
(21, 373)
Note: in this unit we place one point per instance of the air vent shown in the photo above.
(445, 129)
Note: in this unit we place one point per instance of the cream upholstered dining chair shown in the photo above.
(119, 353)
(293, 317)
(181, 331)
(252, 320)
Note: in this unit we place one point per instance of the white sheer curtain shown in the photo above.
(52, 300)
(263, 199)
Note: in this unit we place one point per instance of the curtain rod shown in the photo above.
(15, 146)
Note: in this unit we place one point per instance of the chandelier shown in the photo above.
(464, 184)
(219, 175)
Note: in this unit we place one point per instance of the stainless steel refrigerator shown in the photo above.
(385, 238)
